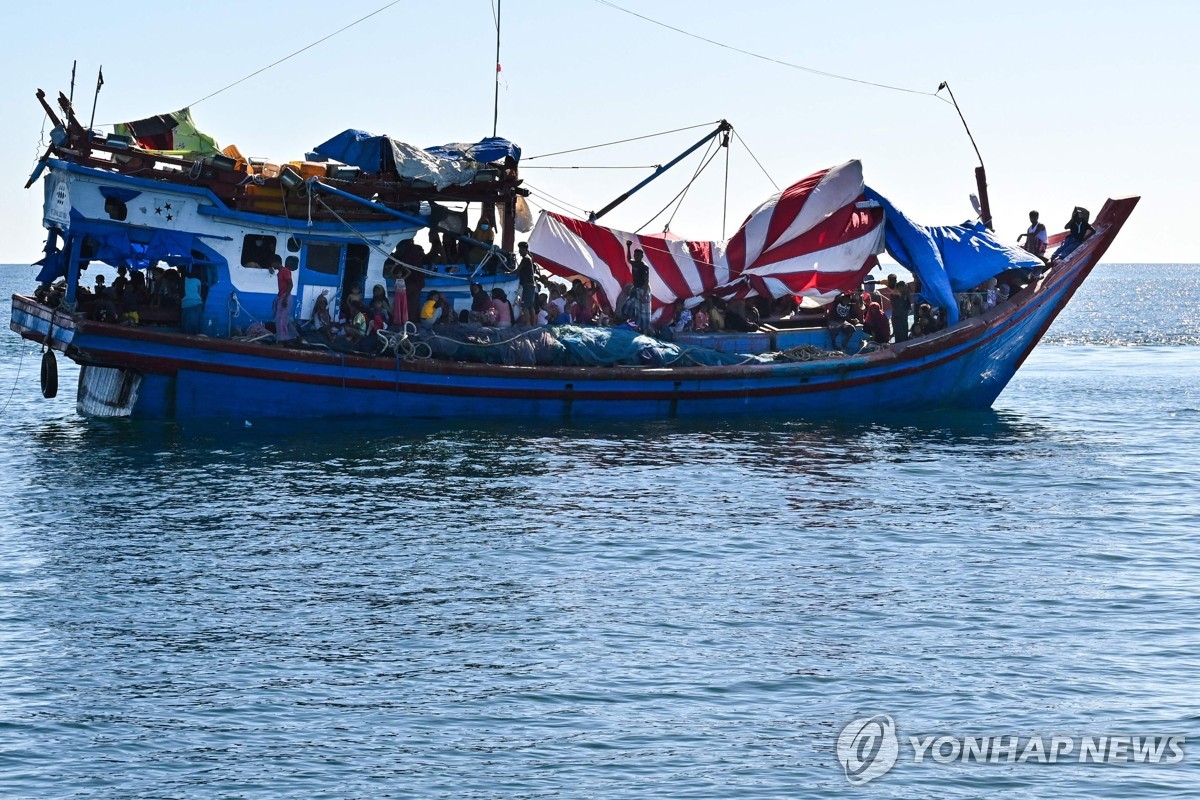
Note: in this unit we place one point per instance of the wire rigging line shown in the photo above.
(298, 52)
(622, 141)
(587, 166)
(545, 205)
(756, 161)
(683, 195)
(546, 194)
(682, 191)
(752, 54)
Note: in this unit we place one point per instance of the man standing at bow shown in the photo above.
(1035, 238)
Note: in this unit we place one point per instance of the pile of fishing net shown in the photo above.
(806, 352)
(570, 345)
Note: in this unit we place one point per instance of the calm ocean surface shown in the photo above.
(627, 610)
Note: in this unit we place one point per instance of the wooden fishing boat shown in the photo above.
(112, 199)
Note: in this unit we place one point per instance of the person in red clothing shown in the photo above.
(282, 305)
(875, 322)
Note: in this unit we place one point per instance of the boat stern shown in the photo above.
(40, 323)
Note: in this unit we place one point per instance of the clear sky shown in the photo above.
(1070, 103)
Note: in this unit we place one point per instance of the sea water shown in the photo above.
(627, 610)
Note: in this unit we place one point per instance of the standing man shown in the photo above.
(640, 296)
(191, 304)
(901, 305)
(1035, 238)
(283, 300)
(529, 292)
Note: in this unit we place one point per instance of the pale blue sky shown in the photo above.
(1069, 103)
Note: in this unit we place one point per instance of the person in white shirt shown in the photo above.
(1035, 238)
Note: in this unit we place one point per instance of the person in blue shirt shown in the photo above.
(191, 305)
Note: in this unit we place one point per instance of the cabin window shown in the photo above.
(324, 258)
(115, 209)
(293, 244)
(257, 251)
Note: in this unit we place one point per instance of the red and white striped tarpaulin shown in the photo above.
(815, 239)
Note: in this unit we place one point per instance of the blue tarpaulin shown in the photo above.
(356, 148)
(948, 258)
(372, 153)
(493, 149)
(119, 250)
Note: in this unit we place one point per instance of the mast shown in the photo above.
(985, 207)
(496, 101)
(96, 97)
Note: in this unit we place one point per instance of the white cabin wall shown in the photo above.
(223, 235)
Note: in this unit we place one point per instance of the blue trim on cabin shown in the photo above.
(222, 211)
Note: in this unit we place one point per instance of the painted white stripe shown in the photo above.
(687, 265)
(756, 229)
(846, 257)
(554, 241)
(840, 187)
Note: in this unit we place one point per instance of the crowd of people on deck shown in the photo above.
(539, 300)
(893, 311)
(158, 294)
(897, 311)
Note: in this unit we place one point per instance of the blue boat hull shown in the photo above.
(965, 366)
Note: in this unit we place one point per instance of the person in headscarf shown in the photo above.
(282, 306)
(400, 300)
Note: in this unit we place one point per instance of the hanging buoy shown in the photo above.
(49, 375)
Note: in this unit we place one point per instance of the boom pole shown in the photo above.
(722, 127)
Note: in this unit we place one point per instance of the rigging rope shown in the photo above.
(682, 192)
(16, 380)
(389, 256)
(756, 161)
(296, 53)
(752, 54)
(584, 166)
(539, 202)
(549, 196)
(622, 141)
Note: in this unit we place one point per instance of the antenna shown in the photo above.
(71, 97)
(496, 102)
